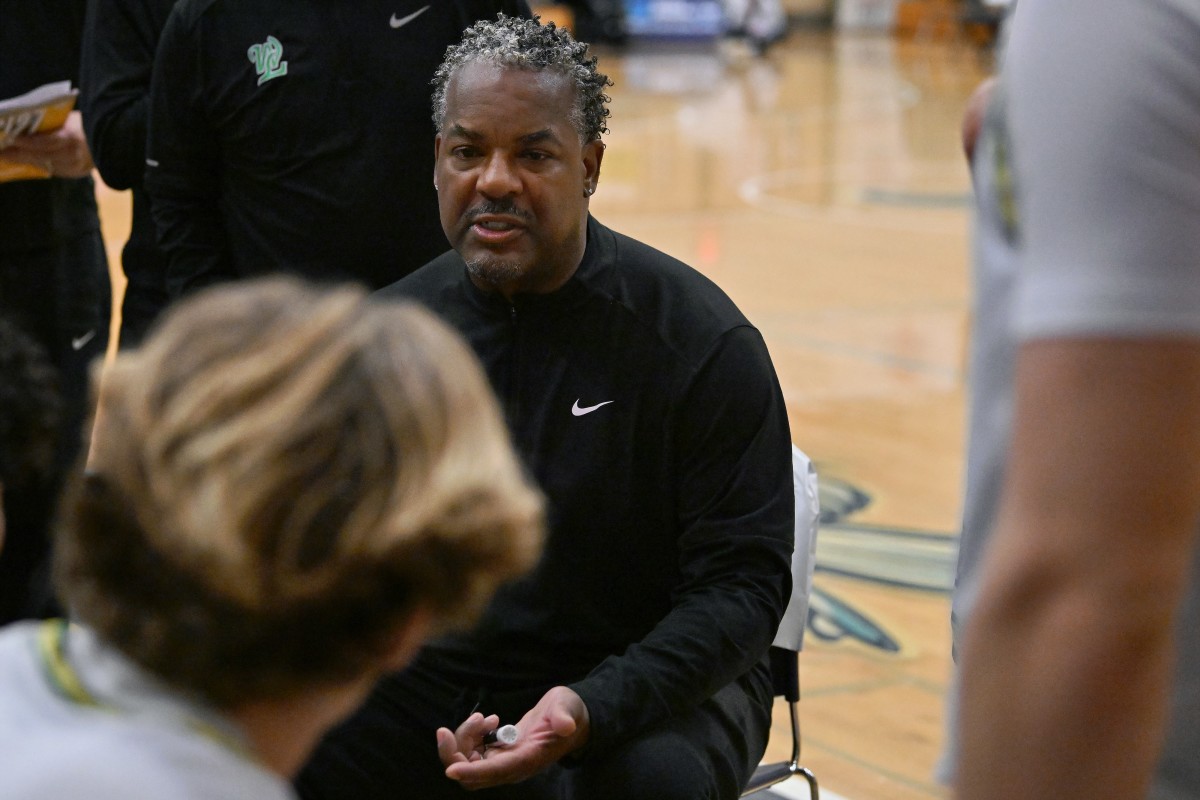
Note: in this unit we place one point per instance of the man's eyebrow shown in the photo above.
(465, 133)
(539, 136)
(462, 132)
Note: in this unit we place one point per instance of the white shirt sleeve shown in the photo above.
(1104, 120)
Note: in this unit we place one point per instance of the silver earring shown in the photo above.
(588, 192)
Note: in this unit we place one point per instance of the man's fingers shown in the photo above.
(447, 746)
(463, 744)
(473, 723)
(470, 734)
(42, 143)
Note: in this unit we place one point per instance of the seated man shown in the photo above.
(632, 659)
(288, 492)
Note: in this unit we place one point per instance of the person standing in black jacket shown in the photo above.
(120, 38)
(632, 659)
(294, 135)
(53, 272)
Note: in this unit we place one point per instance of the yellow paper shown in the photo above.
(39, 111)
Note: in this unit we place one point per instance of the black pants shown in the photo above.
(388, 749)
(145, 293)
(145, 268)
(61, 297)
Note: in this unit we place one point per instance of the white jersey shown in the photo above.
(1088, 184)
(78, 720)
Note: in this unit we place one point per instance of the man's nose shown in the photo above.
(498, 178)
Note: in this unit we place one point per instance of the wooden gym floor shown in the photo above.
(822, 186)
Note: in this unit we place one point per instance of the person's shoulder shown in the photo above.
(685, 306)
(113, 758)
(652, 267)
(196, 12)
(187, 13)
(18, 669)
(65, 767)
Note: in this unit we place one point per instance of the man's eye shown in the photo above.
(464, 152)
(535, 155)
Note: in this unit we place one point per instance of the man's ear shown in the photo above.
(593, 155)
(437, 151)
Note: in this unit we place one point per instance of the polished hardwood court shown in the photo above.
(823, 187)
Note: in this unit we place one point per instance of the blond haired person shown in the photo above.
(290, 491)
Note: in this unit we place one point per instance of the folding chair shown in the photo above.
(789, 639)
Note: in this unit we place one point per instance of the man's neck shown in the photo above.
(282, 733)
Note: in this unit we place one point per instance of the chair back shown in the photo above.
(789, 639)
(790, 635)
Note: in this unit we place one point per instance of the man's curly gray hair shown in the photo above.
(529, 45)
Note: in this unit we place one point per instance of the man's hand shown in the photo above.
(63, 153)
(556, 726)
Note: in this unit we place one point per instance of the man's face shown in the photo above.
(513, 178)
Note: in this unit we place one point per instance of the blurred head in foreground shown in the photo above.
(289, 490)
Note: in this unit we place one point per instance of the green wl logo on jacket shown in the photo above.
(267, 59)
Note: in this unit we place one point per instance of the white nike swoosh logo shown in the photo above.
(579, 412)
(400, 23)
(77, 344)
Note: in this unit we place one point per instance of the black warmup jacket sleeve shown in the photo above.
(671, 510)
(119, 42)
(185, 203)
